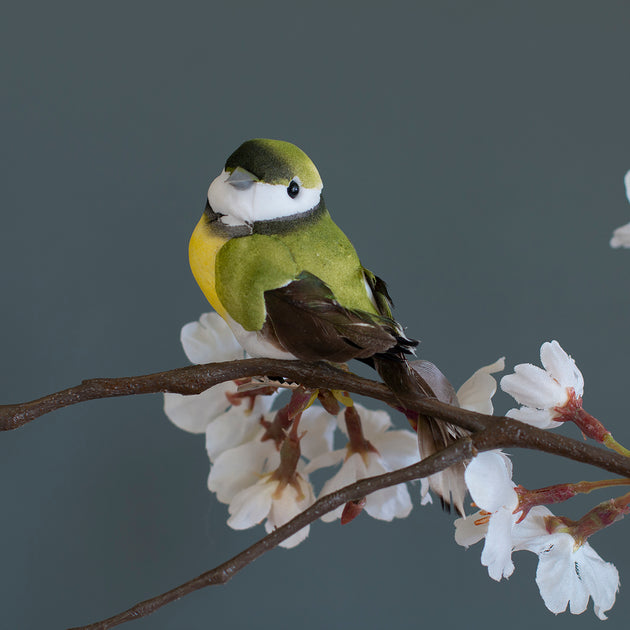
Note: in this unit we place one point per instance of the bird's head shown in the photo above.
(265, 180)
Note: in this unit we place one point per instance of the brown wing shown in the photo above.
(305, 319)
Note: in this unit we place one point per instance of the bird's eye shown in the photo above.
(293, 189)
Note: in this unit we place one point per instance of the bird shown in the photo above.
(289, 283)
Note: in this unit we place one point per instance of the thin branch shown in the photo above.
(504, 434)
(457, 452)
(488, 432)
(197, 378)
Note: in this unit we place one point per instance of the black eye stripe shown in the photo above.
(293, 189)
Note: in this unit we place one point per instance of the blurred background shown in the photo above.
(473, 152)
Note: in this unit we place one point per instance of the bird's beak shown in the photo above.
(241, 179)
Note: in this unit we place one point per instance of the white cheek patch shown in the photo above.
(258, 202)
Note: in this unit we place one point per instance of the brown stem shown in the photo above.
(197, 378)
(489, 432)
(461, 450)
(506, 433)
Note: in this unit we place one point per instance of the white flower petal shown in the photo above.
(600, 578)
(477, 392)
(566, 575)
(541, 418)
(470, 530)
(561, 366)
(621, 236)
(194, 413)
(251, 505)
(533, 387)
(531, 533)
(287, 506)
(237, 425)
(397, 448)
(325, 460)
(230, 430)
(351, 470)
(210, 339)
(425, 495)
(388, 503)
(489, 481)
(497, 551)
(317, 428)
(556, 578)
(240, 467)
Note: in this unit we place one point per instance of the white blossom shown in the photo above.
(243, 477)
(238, 468)
(208, 339)
(276, 502)
(489, 481)
(539, 391)
(395, 449)
(568, 572)
(241, 466)
(477, 392)
(621, 236)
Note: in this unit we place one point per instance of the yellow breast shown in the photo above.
(202, 252)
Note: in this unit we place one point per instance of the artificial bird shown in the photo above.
(289, 283)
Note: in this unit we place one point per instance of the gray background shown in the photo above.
(473, 151)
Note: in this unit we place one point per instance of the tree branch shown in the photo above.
(508, 433)
(488, 432)
(457, 452)
(197, 378)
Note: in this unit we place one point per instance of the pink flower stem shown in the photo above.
(600, 517)
(527, 499)
(572, 411)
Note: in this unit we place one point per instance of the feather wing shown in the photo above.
(305, 319)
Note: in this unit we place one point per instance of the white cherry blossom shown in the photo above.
(540, 391)
(489, 481)
(568, 573)
(237, 467)
(207, 340)
(395, 449)
(476, 393)
(276, 502)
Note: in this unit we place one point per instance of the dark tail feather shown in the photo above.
(403, 377)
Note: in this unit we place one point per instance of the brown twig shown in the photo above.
(197, 378)
(506, 434)
(488, 432)
(459, 451)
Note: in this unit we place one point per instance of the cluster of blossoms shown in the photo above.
(261, 461)
(260, 469)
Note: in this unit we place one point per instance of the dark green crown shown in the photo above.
(274, 162)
